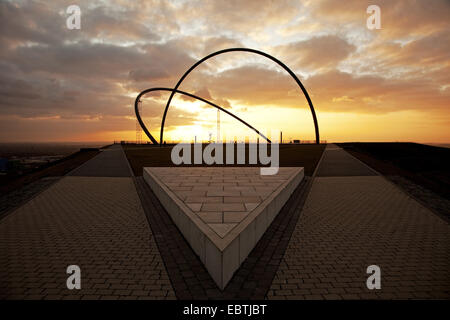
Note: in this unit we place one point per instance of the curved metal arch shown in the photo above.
(138, 116)
(292, 74)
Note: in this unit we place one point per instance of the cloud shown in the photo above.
(398, 18)
(316, 54)
(252, 85)
(331, 91)
(236, 16)
(52, 77)
(341, 92)
(102, 22)
(30, 22)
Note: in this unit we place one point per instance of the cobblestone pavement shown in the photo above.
(96, 223)
(351, 222)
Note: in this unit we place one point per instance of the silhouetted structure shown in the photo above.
(175, 90)
(136, 109)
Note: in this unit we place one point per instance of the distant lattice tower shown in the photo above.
(138, 126)
(218, 126)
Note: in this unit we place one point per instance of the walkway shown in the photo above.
(111, 162)
(86, 219)
(353, 219)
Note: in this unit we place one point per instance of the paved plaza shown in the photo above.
(335, 224)
(111, 162)
(353, 219)
(96, 223)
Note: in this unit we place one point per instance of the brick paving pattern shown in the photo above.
(188, 276)
(350, 219)
(222, 245)
(433, 201)
(349, 223)
(336, 163)
(110, 162)
(96, 223)
(14, 199)
(221, 197)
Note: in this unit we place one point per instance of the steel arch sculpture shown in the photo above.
(175, 90)
(138, 116)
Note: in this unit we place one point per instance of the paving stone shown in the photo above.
(204, 199)
(110, 162)
(220, 193)
(211, 217)
(96, 223)
(350, 222)
(241, 199)
(223, 207)
(197, 206)
(234, 217)
(217, 243)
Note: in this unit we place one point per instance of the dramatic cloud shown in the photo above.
(316, 54)
(81, 84)
(342, 92)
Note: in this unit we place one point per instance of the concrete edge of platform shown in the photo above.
(223, 256)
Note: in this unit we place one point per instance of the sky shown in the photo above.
(388, 84)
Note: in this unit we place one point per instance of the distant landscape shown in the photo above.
(34, 149)
(17, 158)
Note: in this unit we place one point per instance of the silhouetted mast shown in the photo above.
(138, 126)
(218, 126)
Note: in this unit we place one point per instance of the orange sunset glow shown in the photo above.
(387, 84)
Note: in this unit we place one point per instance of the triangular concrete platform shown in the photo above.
(222, 212)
